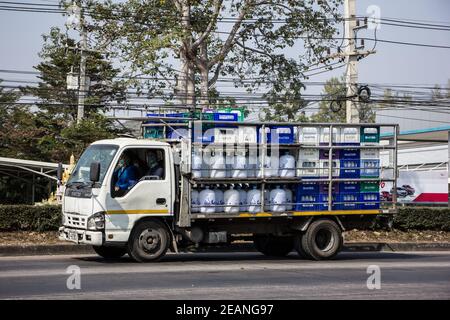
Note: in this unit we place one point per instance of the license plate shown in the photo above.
(73, 235)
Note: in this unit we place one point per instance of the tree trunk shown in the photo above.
(204, 76)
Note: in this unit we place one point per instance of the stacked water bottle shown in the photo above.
(240, 198)
(217, 163)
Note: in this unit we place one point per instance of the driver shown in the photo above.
(125, 176)
(155, 167)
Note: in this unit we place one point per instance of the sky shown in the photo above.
(20, 38)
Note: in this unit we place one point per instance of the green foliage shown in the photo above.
(50, 133)
(422, 219)
(44, 218)
(29, 218)
(206, 40)
(335, 89)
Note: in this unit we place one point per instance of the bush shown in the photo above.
(422, 219)
(48, 218)
(30, 218)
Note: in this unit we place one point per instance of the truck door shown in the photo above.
(139, 186)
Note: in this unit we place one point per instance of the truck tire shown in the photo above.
(149, 241)
(299, 247)
(273, 246)
(110, 253)
(322, 240)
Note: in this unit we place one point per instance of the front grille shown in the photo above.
(75, 221)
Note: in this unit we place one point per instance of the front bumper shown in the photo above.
(94, 238)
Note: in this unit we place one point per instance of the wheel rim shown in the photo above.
(150, 241)
(324, 240)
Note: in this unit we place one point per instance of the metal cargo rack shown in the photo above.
(263, 146)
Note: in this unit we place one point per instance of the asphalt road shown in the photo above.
(411, 275)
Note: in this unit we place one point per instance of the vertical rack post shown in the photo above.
(263, 163)
(330, 167)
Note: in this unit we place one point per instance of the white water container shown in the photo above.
(274, 166)
(242, 199)
(287, 165)
(267, 167)
(195, 201)
(254, 200)
(218, 167)
(247, 134)
(239, 165)
(289, 199)
(231, 198)
(219, 201)
(252, 163)
(277, 200)
(229, 163)
(197, 164)
(207, 199)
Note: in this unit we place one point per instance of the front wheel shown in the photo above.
(149, 241)
(274, 246)
(322, 240)
(109, 253)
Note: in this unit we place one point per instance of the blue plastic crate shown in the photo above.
(153, 115)
(349, 168)
(225, 117)
(228, 117)
(307, 202)
(350, 154)
(323, 199)
(324, 187)
(349, 187)
(369, 201)
(370, 168)
(307, 188)
(277, 134)
(348, 201)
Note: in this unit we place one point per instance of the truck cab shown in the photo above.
(99, 210)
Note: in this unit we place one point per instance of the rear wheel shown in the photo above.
(274, 246)
(149, 241)
(298, 246)
(110, 252)
(322, 240)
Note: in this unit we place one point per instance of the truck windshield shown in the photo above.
(94, 153)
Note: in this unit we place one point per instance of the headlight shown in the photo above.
(96, 221)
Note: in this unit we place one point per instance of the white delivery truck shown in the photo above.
(284, 185)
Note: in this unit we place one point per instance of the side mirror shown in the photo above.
(59, 172)
(94, 172)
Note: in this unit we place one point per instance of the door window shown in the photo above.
(136, 165)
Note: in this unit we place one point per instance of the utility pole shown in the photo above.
(76, 21)
(351, 73)
(83, 87)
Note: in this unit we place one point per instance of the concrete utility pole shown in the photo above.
(351, 73)
(83, 88)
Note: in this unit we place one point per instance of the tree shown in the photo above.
(59, 136)
(209, 39)
(335, 89)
